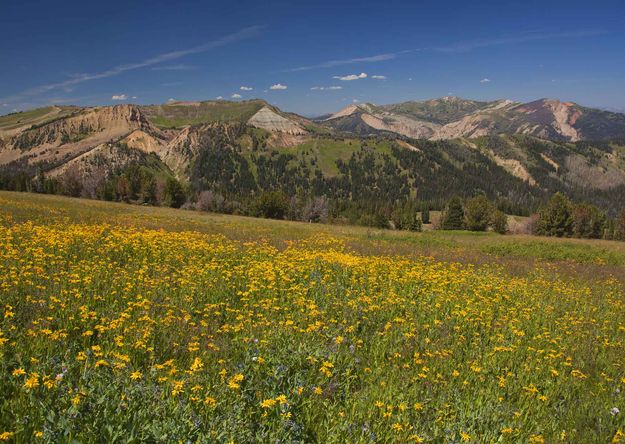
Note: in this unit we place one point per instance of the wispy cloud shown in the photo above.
(278, 86)
(246, 88)
(243, 34)
(467, 45)
(326, 88)
(485, 80)
(119, 97)
(219, 98)
(179, 67)
(350, 77)
(510, 40)
(378, 77)
(372, 58)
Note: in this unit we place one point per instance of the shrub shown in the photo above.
(477, 213)
(499, 222)
(271, 204)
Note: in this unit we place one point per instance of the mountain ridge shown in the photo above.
(527, 149)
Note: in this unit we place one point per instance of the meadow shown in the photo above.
(122, 323)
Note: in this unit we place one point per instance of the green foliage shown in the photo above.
(588, 221)
(377, 220)
(620, 227)
(477, 213)
(556, 217)
(440, 110)
(499, 222)
(453, 217)
(271, 204)
(174, 194)
(179, 114)
(425, 213)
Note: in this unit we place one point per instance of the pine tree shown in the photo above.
(453, 218)
(425, 213)
(555, 218)
(588, 221)
(174, 193)
(620, 226)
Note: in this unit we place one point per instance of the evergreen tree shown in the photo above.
(556, 218)
(620, 226)
(588, 221)
(453, 217)
(174, 193)
(425, 213)
(148, 187)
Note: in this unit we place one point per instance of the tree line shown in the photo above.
(558, 217)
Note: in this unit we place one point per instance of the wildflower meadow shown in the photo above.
(113, 330)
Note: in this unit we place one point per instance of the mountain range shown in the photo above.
(518, 151)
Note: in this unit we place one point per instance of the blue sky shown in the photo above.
(310, 57)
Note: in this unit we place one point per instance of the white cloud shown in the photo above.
(485, 80)
(134, 97)
(219, 98)
(355, 101)
(120, 97)
(171, 100)
(350, 77)
(246, 88)
(236, 96)
(278, 86)
(5, 104)
(379, 77)
(326, 88)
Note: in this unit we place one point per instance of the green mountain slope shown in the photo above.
(362, 158)
(178, 114)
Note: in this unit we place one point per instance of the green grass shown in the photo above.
(328, 151)
(178, 115)
(32, 117)
(122, 323)
(584, 252)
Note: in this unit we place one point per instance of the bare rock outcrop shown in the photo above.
(269, 120)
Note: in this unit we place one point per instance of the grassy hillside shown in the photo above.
(177, 114)
(121, 321)
(36, 116)
(441, 111)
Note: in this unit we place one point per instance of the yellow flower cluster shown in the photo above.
(212, 333)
